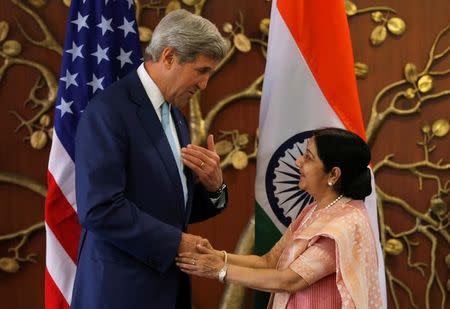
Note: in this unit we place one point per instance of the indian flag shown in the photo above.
(309, 83)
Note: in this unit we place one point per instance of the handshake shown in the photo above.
(197, 257)
(189, 243)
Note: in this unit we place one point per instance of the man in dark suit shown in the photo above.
(139, 182)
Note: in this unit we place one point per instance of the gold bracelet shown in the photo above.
(225, 256)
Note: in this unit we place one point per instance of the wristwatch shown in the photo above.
(223, 273)
(219, 191)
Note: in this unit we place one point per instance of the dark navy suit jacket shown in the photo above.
(130, 204)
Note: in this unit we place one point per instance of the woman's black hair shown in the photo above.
(346, 150)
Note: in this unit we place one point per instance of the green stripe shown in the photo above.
(266, 235)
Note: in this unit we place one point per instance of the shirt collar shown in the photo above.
(152, 90)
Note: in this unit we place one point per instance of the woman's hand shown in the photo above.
(207, 263)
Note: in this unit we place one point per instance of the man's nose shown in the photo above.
(203, 83)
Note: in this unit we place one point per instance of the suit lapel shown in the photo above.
(152, 126)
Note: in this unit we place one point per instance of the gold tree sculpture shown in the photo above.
(416, 88)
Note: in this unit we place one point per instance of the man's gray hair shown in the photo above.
(189, 35)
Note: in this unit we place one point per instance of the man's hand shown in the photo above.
(205, 163)
(189, 243)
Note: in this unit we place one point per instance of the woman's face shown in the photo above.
(313, 178)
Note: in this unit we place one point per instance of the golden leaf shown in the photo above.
(67, 2)
(426, 128)
(440, 127)
(410, 72)
(239, 159)
(438, 206)
(361, 69)
(4, 29)
(12, 48)
(393, 246)
(9, 265)
(378, 35)
(37, 3)
(191, 2)
(145, 34)
(425, 83)
(173, 6)
(410, 93)
(396, 25)
(223, 147)
(227, 28)
(448, 285)
(377, 16)
(38, 140)
(44, 120)
(350, 8)
(242, 140)
(264, 26)
(242, 43)
(447, 260)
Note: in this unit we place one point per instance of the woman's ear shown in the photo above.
(335, 175)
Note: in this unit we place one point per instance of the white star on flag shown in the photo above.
(130, 3)
(101, 54)
(96, 83)
(64, 107)
(70, 79)
(105, 25)
(127, 27)
(124, 57)
(75, 51)
(81, 22)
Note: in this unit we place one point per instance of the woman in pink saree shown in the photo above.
(327, 257)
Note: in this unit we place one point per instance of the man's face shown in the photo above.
(184, 80)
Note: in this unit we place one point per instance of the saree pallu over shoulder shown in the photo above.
(347, 223)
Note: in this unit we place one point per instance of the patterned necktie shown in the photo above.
(165, 121)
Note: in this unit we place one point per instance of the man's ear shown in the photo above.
(168, 57)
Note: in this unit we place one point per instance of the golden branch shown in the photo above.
(251, 92)
(374, 9)
(391, 280)
(25, 182)
(22, 181)
(431, 55)
(49, 41)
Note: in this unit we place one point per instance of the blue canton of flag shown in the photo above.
(101, 46)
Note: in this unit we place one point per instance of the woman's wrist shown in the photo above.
(225, 256)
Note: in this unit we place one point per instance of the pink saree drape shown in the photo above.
(333, 250)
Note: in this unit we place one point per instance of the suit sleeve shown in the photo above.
(103, 209)
(203, 206)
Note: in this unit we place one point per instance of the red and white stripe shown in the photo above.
(309, 83)
(62, 228)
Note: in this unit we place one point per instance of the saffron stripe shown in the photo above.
(320, 28)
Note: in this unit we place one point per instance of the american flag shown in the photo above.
(101, 46)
